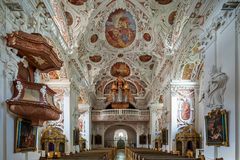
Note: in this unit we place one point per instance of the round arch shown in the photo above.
(129, 135)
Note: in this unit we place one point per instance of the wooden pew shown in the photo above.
(147, 154)
(100, 154)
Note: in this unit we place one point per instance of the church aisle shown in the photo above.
(120, 155)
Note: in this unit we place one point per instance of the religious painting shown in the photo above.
(120, 29)
(185, 110)
(145, 58)
(147, 37)
(25, 136)
(187, 71)
(98, 139)
(76, 133)
(171, 17)
(95, 58)
(120, 69)
(142, 139)
(69, 18)
(185, 107)
(94, 38)
(216, 123)
(165, 136)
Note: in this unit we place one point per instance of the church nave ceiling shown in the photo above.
(143, 34)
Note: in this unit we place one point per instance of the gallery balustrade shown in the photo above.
(120, 115)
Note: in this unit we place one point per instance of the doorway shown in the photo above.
(120, 144)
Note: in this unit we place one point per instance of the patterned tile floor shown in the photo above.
(120, 155)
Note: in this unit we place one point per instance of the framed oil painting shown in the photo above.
(76, 133)
(142, 139)
(164, 136)
(25, 136)
(216, 123)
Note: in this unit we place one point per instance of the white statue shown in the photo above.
(216, 87)
(37, 76)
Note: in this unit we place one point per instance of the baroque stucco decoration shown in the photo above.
(214, 96)
(154, 37)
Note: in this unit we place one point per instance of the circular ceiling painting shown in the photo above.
(120, 29)
(145, 58)
(94, 38)
(95, 58)
(69, 18)
(120, 69)
(147, 37)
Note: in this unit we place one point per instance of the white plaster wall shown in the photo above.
(209, 56)
(174, 110)
(226, 44)
(154, 115)
(72, 119)
(86, 134)
(238, 90)
(167, 103)
(199, 112)
(66, 123)
(223, 52)
(2, 115)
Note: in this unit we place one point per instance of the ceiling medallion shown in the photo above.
(164, 2)
(95, 58)
(94, 38)
(120, 69)
(69, 18)
(171, 17)
(120, 29)
(147, 37)
(145, 58)
(77, 2)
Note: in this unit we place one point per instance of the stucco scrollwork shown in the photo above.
(11, 64)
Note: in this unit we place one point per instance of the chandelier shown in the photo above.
(120, 96)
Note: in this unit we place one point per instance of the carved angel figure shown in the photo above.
(216, 87)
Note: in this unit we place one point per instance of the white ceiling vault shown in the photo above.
(154, 31)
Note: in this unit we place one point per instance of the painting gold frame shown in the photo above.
(216, 125)
(25, 136)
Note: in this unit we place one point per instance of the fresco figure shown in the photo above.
(120, 29)
(185, 114)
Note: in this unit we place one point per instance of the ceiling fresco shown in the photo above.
(120, 29)
(135, 39)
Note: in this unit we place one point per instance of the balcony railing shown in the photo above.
(120, 115)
